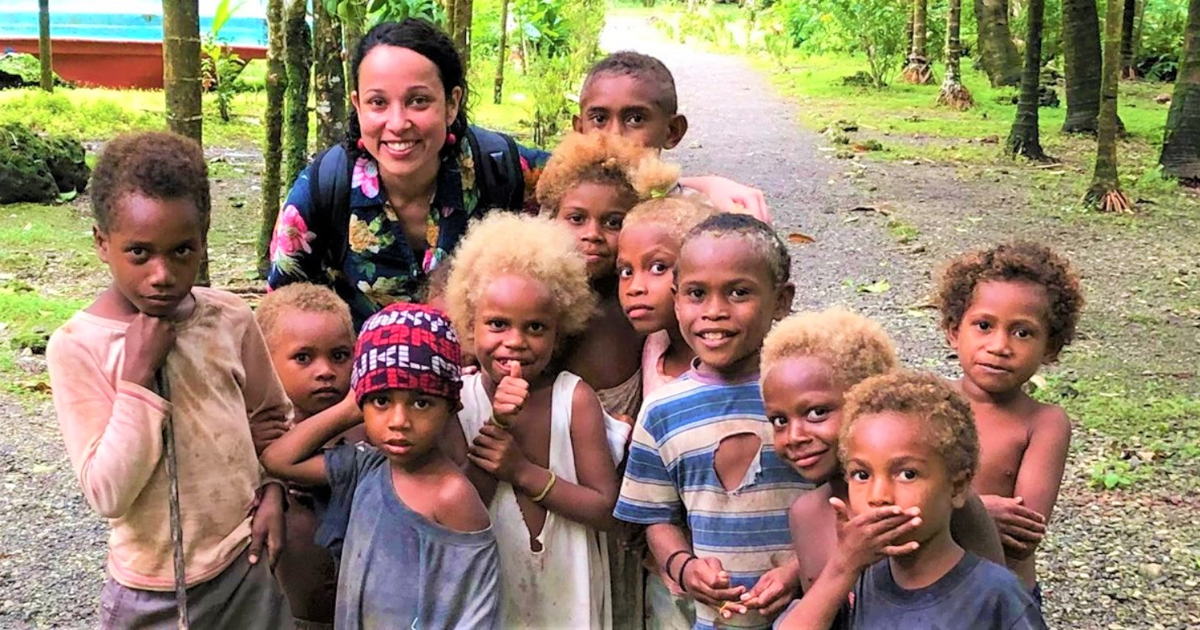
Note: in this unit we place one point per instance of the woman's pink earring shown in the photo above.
(361, 145)
(451, 138)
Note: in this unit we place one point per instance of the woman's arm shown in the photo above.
(730, 196)
(295, 456)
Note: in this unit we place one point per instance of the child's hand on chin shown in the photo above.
(866, 538)
(267, 526)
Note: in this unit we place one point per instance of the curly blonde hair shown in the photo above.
(509, 244)
(944, 414)
(677, 213)
(603, 158)
(854, 346)
(304, 297)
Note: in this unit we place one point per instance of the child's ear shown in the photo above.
(100, 240)
(676, 129)
(783, 301)
(577, 123)
(951, 331)
(960, 486)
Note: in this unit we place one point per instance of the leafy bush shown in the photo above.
(558, 40)
(872, 27)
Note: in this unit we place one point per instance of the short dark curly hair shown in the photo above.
(760, 237)
(944, 414)
(156, 164)
(1019, 260)
(642, 67)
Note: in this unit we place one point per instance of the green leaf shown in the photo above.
(879, 286)
(64, 197)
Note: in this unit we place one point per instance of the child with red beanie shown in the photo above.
(416, 543)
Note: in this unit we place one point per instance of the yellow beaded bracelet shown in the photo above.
(545, 491)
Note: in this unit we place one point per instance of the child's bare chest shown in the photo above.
(608, 352)
(1002, 444)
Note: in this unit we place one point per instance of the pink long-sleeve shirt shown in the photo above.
(221, 380)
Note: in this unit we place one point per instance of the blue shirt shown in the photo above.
(398, 569)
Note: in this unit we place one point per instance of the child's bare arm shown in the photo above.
(1041, 472)
(973, 528)
(703, 578)
(454, 446)
(819, 607)
(808, 512)
(295, 456)
(590, 501)
(267, 404)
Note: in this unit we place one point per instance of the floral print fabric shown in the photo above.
(380, 266)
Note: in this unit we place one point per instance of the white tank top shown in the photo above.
(566, 584)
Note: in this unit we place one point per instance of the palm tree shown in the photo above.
(997, 52)
(918, 69)
(181, 67)
(1023, 139)
(458, 14)
(1105, 190)
(44, 56)
(1082, 61)
(1129, 42)
(501, 57)
(273, 141)
(297, 45)
(329, 90)
(1181, 142)
(954, 94)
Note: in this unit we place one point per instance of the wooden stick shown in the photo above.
(168, 431)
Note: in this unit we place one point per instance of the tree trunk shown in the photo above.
(918, 69)
(1127, 42)
(460, 29)
(181, 67)
(954, 94)
(1082, 63)
(328, 83)
(502, 57)
(352, 32)
(997, 52)
(298, 59)
(1105, 190)
(1023, 138)
(1181, 143)
(273, 140)
(44, 55)
(181, 80)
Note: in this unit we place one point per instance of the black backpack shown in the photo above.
(498, 174)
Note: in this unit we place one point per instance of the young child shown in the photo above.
(151, 204)
(702, 448)
(589, 184)
(536, 433)
(647, 250)
(415, 542)
(310, 336)
(909, 449)
(1006, 311)
(631, 94)
(808, 362)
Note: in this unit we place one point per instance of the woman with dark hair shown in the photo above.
(373, 216)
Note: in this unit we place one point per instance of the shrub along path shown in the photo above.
(1120, 558)
(1123, 558)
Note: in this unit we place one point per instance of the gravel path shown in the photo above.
(1126, 560)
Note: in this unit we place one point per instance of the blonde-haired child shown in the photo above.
(809, 361)
(589, 184)
(517, 290)
(310, 336)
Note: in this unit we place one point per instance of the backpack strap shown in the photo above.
(497, 169)
(329, 190)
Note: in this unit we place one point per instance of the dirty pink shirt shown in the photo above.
(653, 350)
(221, 379)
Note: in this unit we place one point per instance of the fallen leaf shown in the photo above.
(800, 239)
(879, 286)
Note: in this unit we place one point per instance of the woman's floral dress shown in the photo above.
(380, 266)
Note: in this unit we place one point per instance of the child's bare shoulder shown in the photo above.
(458, 504)
(810, 506)
(1049, 420)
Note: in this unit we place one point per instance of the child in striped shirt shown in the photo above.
(702, 452)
